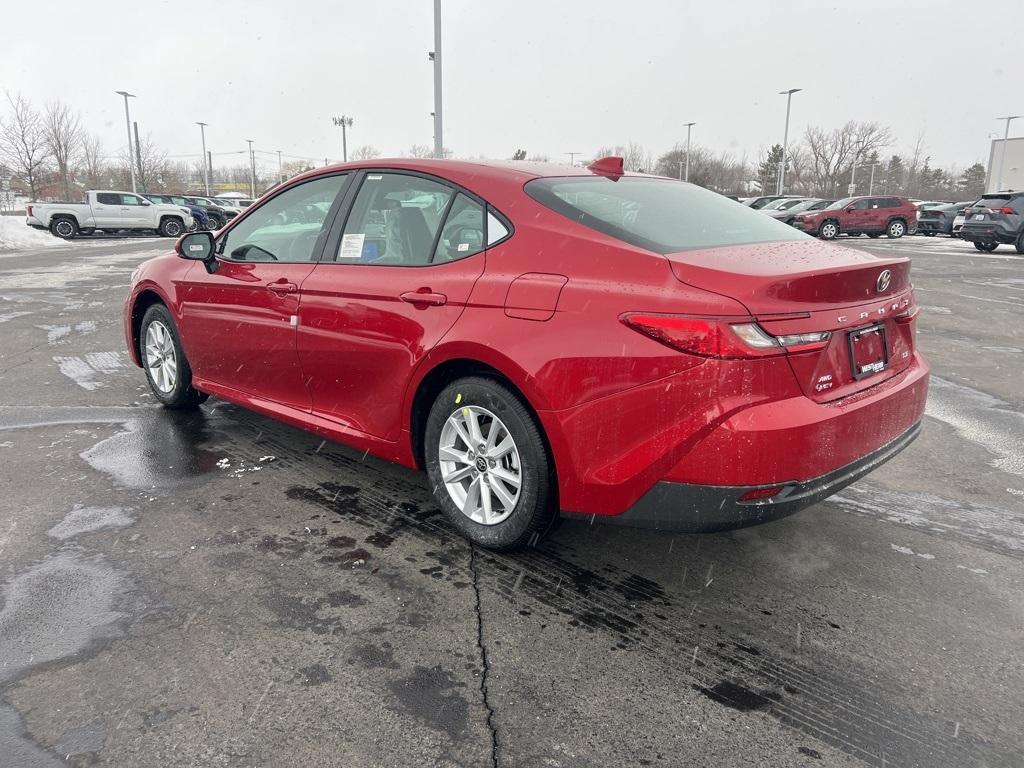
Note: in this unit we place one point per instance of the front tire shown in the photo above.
(1019, 245)
(66, 229)
(829, 230)
(488, 465)
(167, 369)
(215, 223)
(171, 227)
(986, 247)
(896, 229)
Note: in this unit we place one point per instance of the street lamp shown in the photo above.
(785, 138)
(344, 122)
(852, 189)
(572, 157)
(252, 171)
(689, 127)
(128, 125)
(206, 171)
(1002, 155)
(435, 57)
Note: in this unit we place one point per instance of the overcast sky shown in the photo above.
(546, 75)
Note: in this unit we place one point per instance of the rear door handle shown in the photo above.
(428, 298)
(282, 288)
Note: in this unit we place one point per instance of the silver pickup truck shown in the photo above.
(109, 211)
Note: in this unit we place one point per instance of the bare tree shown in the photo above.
(421, 151)
(637, 158)
(832, 153)
(64, 136)
(538, 158)
(90, 158)
(365, 152)
(914, 167)
(151, 166)
(23, 141)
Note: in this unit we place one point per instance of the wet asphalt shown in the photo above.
(217, 589)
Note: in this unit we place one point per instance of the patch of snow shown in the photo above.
(16, 235)
(88, 519)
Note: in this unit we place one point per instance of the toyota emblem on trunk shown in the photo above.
(884, 278)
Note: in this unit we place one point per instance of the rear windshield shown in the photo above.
(993, 201)
(660, 215)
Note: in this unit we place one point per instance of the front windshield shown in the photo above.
(775, 205)
(840, 203)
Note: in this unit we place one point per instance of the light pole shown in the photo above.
(871, 180)
(785, 139)
(206, 171)
(852, 189)
(435, 56)
(252, 171)
(1002, 155)
(689, 127)
(572, 157)
(280, 175)
(345, 122)
(128, 125)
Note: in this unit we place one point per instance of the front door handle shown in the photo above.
(428, 298)
(282, 288)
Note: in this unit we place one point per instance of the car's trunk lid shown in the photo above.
(807, 287)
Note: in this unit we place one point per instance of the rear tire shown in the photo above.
(215, 223)
(171, 227)
(829, 230)
(167, 369)
(65, 228)
(503, 492)
(896, 229)
(1019, 245)
(985, 247)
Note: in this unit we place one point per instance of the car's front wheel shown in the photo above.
(1019, 245)
(171, 227)
(168, 371)
(896, 229)
(488, 465)
(985, 247)
(829, 230)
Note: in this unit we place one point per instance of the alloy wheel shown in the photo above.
(64, 228)
(480, 465)
(161, 358)
(828, 231)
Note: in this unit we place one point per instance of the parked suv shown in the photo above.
(996, 218)
(871, 216)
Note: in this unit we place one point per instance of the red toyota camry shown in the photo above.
(543, 339)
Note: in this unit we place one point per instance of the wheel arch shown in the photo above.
(435, 375)
(142, 301)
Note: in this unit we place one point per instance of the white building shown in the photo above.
(1011, 161)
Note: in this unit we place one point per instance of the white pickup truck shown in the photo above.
(109, 211)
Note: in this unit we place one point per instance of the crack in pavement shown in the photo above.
(483, 657)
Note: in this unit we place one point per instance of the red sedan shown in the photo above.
(543, 339)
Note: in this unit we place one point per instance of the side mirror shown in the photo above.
(197, 246)
(146, 202)
(848, 208)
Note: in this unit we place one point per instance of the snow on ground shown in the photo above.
(15, 235)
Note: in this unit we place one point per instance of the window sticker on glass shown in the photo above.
(352, 246)
(374, 177)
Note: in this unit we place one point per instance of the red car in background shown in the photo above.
(871, 216)
(543, 339)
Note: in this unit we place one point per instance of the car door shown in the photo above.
(238, 321)
(106, 210)
(135, 212)
(857, 216)
(396, 277)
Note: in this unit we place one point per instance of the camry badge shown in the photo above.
(884, 278)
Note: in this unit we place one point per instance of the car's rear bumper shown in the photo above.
(931, 225)
(988, 232)
(687, 508)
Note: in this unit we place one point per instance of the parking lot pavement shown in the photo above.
(217, 589)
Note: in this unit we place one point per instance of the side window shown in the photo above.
(287, 227)
(108, 198)
(861, 205)
(889, 202)
(495, 229)
(130, 200)
(463, 231)
(395, 220)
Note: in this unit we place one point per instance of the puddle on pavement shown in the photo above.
(158, 451)
(88, 519)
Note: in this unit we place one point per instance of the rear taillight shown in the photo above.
(1004, 210)
(760, 494)
(28, 210)
(720, 337)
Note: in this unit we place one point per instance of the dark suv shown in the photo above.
(996, 218)
(871, 216)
